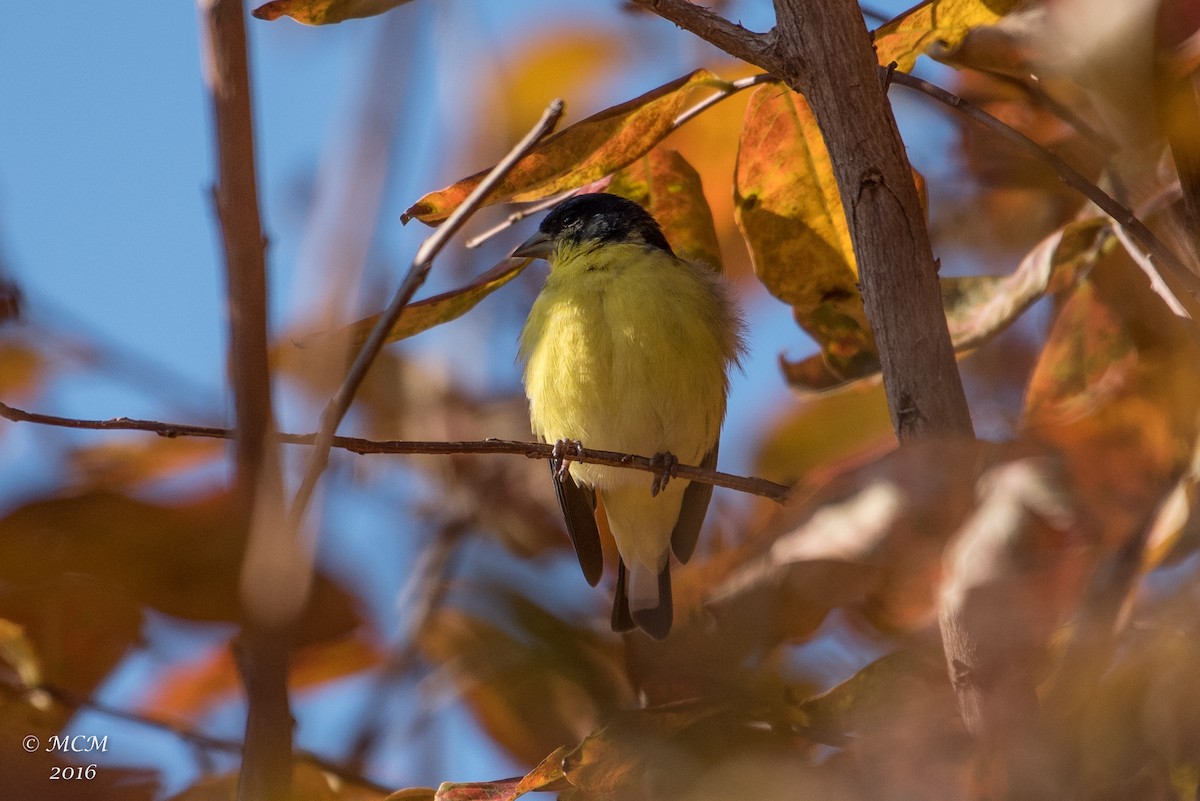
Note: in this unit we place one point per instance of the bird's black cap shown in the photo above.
(601, 218)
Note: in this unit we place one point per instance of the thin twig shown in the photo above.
(340, 403)
(732, 89)
(1178, 273)
(200, 739)
(531, 450)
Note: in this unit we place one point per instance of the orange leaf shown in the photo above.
(584, 152)
(324, 12)
(941, 22)
(423, 314)
(788, 207)
(670, 189)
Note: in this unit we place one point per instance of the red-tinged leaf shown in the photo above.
(1088, 360)
(423, 314)
(871, 539)
(584, 152)
(546, 777)
(616, 755)
(324, 12)
(789, 210)
(669, 188)
(940, 22)
(194, 687)
(499, 790)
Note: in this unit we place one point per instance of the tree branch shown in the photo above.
(531, 450)
(756, 48)
(270, 604)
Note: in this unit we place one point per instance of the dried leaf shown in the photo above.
(1088, 360)
(855, 703)
(582, 153)
(941, 22)
(193, 688)
(547, 776)
(979, 307)
(180, 559)
(669, 188)
(617, 754)
(531, 691)
(423, 314)
(789, 210)
(324, 12)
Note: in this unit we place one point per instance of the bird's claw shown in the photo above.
(564, 451)
(663, 465)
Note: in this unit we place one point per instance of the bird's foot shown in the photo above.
(663, 465)
(565, 450)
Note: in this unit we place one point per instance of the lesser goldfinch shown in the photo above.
(627, 349)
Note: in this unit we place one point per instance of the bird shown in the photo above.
(627, 348)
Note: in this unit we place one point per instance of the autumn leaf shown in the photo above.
(789, 210)
(1087, 361)
(324, 12)
(423, 314)
(669, 188)
(584, 152)
(980, 307)
(942, 22)
(547, 776)
(533, 684)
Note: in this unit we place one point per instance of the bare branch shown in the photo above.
(530, 450)
(713, 28)
(275, 570)
(340, 403)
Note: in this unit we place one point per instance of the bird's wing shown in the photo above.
(579, 510)
(691, 513)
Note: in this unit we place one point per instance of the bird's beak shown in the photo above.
(538, 246)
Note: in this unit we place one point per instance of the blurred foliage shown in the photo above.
(808, 657)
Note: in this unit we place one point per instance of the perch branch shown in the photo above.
(530, 450)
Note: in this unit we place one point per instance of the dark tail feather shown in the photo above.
(657, 621)
(621, 621)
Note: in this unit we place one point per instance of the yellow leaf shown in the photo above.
(424, 314)
(324, 12)
(585, 152)
(788, 207)
(943, 22)
(670, 189)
